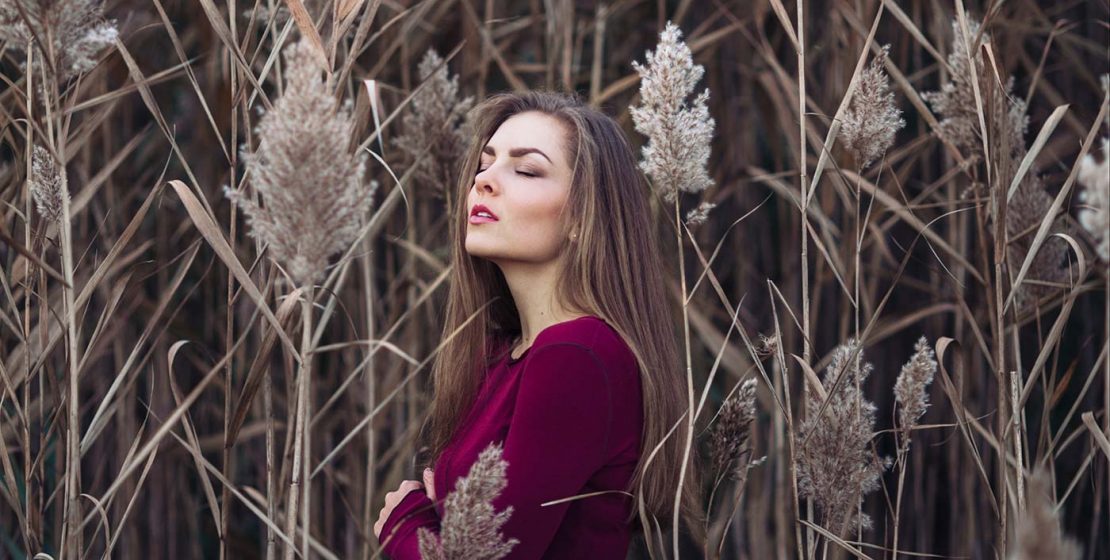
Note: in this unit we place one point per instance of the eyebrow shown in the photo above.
(517, 152)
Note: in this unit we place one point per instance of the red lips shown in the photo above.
(482, 208)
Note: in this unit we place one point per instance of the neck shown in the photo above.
(533, 289)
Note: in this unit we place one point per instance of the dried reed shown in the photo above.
(470, 529)
(835, 464)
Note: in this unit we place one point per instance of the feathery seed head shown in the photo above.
(1037, 534)
(677, 151)
(835, 464)
(871, 120)
(730, 439)
(436, 118)
(911, 388)
(1094, 215)
(76, 27)
(1007, 122)
(699, 215)
(768, 345)
(955, 101)
(470, 528)
(46, 184)
(314, 197)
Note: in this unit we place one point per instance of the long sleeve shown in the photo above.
(556, 440)
(414, 511)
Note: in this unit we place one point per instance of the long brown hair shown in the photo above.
(611, 272)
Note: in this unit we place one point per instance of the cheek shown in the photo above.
(537, 219)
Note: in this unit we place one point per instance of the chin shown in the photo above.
(480, 250)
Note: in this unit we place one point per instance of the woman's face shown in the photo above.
(524, 181)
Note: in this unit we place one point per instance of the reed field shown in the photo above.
(225, 250)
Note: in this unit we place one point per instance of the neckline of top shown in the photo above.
(509, 354)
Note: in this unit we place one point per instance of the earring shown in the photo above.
(573, 236)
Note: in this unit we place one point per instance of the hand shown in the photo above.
(391, 500)
(430, 484)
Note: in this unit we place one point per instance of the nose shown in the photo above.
(483, 182)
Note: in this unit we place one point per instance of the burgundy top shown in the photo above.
(569, 411)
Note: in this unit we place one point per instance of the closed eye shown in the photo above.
(525, 173)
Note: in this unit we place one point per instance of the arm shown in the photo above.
(557, 439)
(415, 510)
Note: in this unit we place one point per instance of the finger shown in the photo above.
(429, 484)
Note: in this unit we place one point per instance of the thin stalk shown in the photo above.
(371, 394)
(57, 138)
(271, 482)
(804, 182)
(898, 493)
(306, 425)
(28, 463)
(299, 426)
(689, 378)
(229, 338)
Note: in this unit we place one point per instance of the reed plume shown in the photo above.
(835, 464)
(699, 215)
(76, 28)
(730, 439)
(872, 119)
(911, 389)
(677, 152)
(435, 122)
(470, 529)
(1007, 123)
(314, 198)
(1094, 216)
(911, 392)
(955, 101)
(1037, 533)
(768, 345)
(46, 184)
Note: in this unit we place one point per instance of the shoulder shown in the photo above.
(587, 339)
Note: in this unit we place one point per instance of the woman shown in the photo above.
(572, 352)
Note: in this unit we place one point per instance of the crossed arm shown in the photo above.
(557, 439)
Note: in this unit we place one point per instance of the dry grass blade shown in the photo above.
(835, 539)
(215, 239)
(107, 402)
(1053, 338)
(955, 398)
(923, 228)
(784, 19)
(1057, 203)
(1038, 144)
(215, 18)
(838, 117)
(308, 29)
(152, 105)
(189, 73)
(259, 367)
(385, 400)
(7, 239)
(1096, 432)
(494, 49)
(190, 433)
